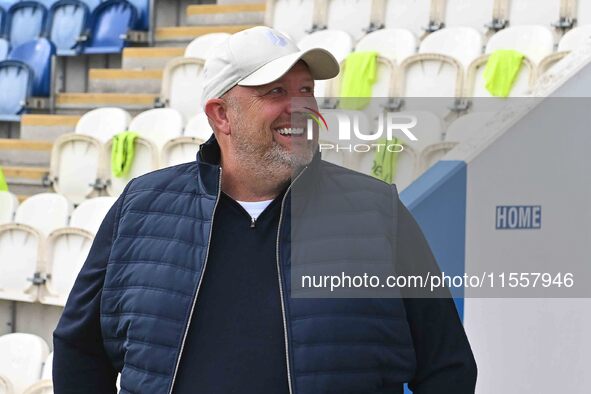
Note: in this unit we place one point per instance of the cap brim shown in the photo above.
(321, 63)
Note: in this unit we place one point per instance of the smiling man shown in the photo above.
(187, 286)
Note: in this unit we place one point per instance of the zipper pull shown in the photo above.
(252, 222)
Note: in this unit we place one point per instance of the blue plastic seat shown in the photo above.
(37, 55)
(47, 3)
(15, 88)
(2, 18)
(143, 14)
(109, 24)
(4, 49)
(25, 22)
(92, 4)
(66, 23)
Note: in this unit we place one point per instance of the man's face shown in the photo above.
(268, 126)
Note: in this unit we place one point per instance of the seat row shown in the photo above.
(75, 26)
(357, 17)
(25, 364)
(44, 247)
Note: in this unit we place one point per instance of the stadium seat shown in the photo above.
(469, 13)
(45, 385)
(583, 13)
(21, 359)
(143, 14)
(337, 42)
(533, 41)
(533, 12)
(47, 3)
(66, 24)
(90, 213)
(109, 23)
(76, 164)
(16, 83)
(413, 15)
(292, 17)
(8, 205)
(103, 123)
(462, 43)
(37, 55)
(25, 22)
(179, 150)
(158, 125)
(202, 46)
(571, 40)
(4, 49)
(198, 126)
(2, 17)
(393, 44)
(146, 159)
(44, 212)
(384, 86)
(182, 83)
(351, 16)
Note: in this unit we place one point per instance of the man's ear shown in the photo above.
(217, 112)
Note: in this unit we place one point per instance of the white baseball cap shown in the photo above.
(258, 56)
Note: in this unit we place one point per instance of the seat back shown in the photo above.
(146, 158)
(16, 82)
(469, 13)
(109, 23)
(158, 125)
(143, 14)
(90, 213)
(292, 17)
(44, 212)
(180, 150)
(462, 43)
(535, 42)
(8, 205)
(198, 126)
(26, 22)
(4, 49)
(534, 12)
(2, 18)
(583, 13)
(22, 359)
(103, 123)
(384, 85)
(182, 84)
(76, 163)
(431, 75)
(67, 21)
(37, 55)
(413, 15)
(352, 16)
(203, 46)
(575, 38)
(393, 44)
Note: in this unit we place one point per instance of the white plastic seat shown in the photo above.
(198, 126)
(337, 42)
(146, 159)
(384, 85)
(533, 12)
(203, 46)
(182, 84)
(470, 13)
(583, 13)
(413, 15)
(90, 213)
(575, 38)
(292, 17)
(21, 359)
(8, 205)
(393, 44)
(65, 253)
(44, 212)
(103, 123)
(45, 385)
(180, 150)
(158, 125)
(352, 16)
(76, 163)
(462, 43)
(533, 41)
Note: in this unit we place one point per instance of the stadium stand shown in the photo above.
(66, 24)
(182, 85)
(571, 40)
(103, 123)
(184, 148)
(8, 205)
(393, 44)
(16, 84)
(351, 16)
(45, 385)
(583, 12)
(296, 18)
(202, 46)
(21, 363)
(532, 12)
(414, 15)
(199, 127)
(37, 55)
(109, 24)
(25, 22)
(461, 43)
(468, 13)
(158, 125)
(533, 41)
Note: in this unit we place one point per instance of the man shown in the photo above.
(186, 288)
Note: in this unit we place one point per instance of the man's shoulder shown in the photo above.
(177, 177)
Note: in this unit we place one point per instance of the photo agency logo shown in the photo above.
(350, 136)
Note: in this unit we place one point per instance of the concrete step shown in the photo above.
(46, 127)
(18, 152)
(185, 34)
(26, 181)
(108, 80)
(226, 14)
(150, 57)
(81, 102)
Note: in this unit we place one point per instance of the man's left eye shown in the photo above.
(276, 90)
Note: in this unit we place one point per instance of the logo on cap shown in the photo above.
(276, 40)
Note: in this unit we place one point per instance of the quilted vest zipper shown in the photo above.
(289, 383)
(176, 368)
